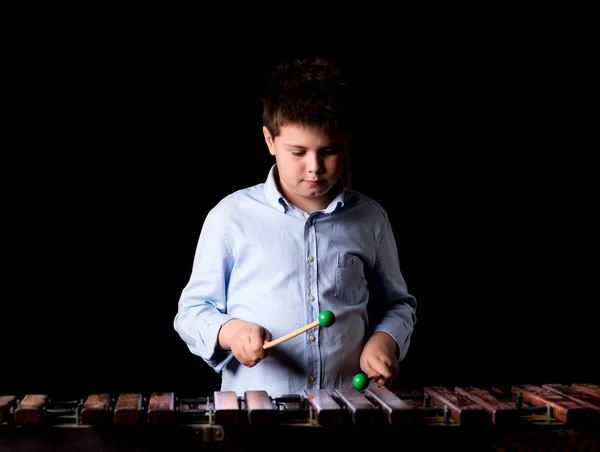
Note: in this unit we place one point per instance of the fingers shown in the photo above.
(250, 355)
(380, 380)
(381, 373)
(256, 347)
(248, 349)
(267, 337)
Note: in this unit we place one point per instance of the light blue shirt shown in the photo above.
(262, 260)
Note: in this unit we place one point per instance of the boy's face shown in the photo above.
(310, 163)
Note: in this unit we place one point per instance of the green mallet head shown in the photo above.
(326, 318)
(360, 381)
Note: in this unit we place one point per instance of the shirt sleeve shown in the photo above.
(202, 307)
(395, 312)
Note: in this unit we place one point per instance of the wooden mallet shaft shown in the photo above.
(281, 339)
(326, 318)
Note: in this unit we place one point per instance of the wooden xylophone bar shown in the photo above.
(560, 412)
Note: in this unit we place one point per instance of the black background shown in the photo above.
(117, 147)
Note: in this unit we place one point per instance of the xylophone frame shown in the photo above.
(522, 417)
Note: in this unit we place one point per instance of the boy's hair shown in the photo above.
(309, 92)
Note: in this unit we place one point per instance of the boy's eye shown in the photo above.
(321, 152)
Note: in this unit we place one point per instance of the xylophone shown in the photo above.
(517, 417)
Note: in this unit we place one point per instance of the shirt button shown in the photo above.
(309, 222)
(311, 298)
(312, 378)
(354, 261)
(310, 258)
(311, 338)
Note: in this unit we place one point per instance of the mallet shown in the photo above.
(326, 318)
(360, 381)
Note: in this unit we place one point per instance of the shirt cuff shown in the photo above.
(210, 334)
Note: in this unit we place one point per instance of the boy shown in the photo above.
(271, 257)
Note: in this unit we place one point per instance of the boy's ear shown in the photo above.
(269, 140)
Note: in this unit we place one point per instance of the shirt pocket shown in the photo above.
(350, 282)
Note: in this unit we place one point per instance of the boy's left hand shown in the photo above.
(378, 359)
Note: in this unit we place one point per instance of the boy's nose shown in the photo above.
(314, 164)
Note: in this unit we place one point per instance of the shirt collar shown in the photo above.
(277, 200)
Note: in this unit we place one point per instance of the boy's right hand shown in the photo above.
(245, 340)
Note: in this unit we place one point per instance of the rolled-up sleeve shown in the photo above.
(397, 315)
(202, 307)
